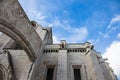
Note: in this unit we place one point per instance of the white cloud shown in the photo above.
(91, 41)
(32, 11)
(118, 35)
(104, 35)
(74, 34)
(78, 34)
(28, 5)
(113, 55)
(113, 25)
(58, 23)
(116, 19)
(37, 16)
(113, 20)
(55, 39)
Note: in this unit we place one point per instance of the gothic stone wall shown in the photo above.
(90, 64)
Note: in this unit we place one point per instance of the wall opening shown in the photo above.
(50, 73)
(77, 72)
(77, 75)
(16, 46)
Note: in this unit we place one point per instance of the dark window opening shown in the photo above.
(17, 46)
(55, 50)
(63, 46)
(49, 51)
(75, 50)
(44, 51)
(77, 75)
(50, 73)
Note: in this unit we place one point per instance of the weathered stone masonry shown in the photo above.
(29, 53)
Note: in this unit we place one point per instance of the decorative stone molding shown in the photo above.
(77, 50)
(50, 51)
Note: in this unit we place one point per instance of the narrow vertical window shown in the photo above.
(77, 75)
(50, 73)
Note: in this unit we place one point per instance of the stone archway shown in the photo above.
(14, 23)
(5, 28)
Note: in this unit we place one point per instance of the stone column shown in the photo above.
(62, 65)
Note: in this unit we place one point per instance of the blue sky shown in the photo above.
(76, 21)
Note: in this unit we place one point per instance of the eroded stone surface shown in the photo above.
(13, 22)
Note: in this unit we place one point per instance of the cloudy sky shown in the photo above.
(78, 21)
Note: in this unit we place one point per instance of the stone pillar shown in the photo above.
(93, 66)
(83, 72)
(62, 65)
